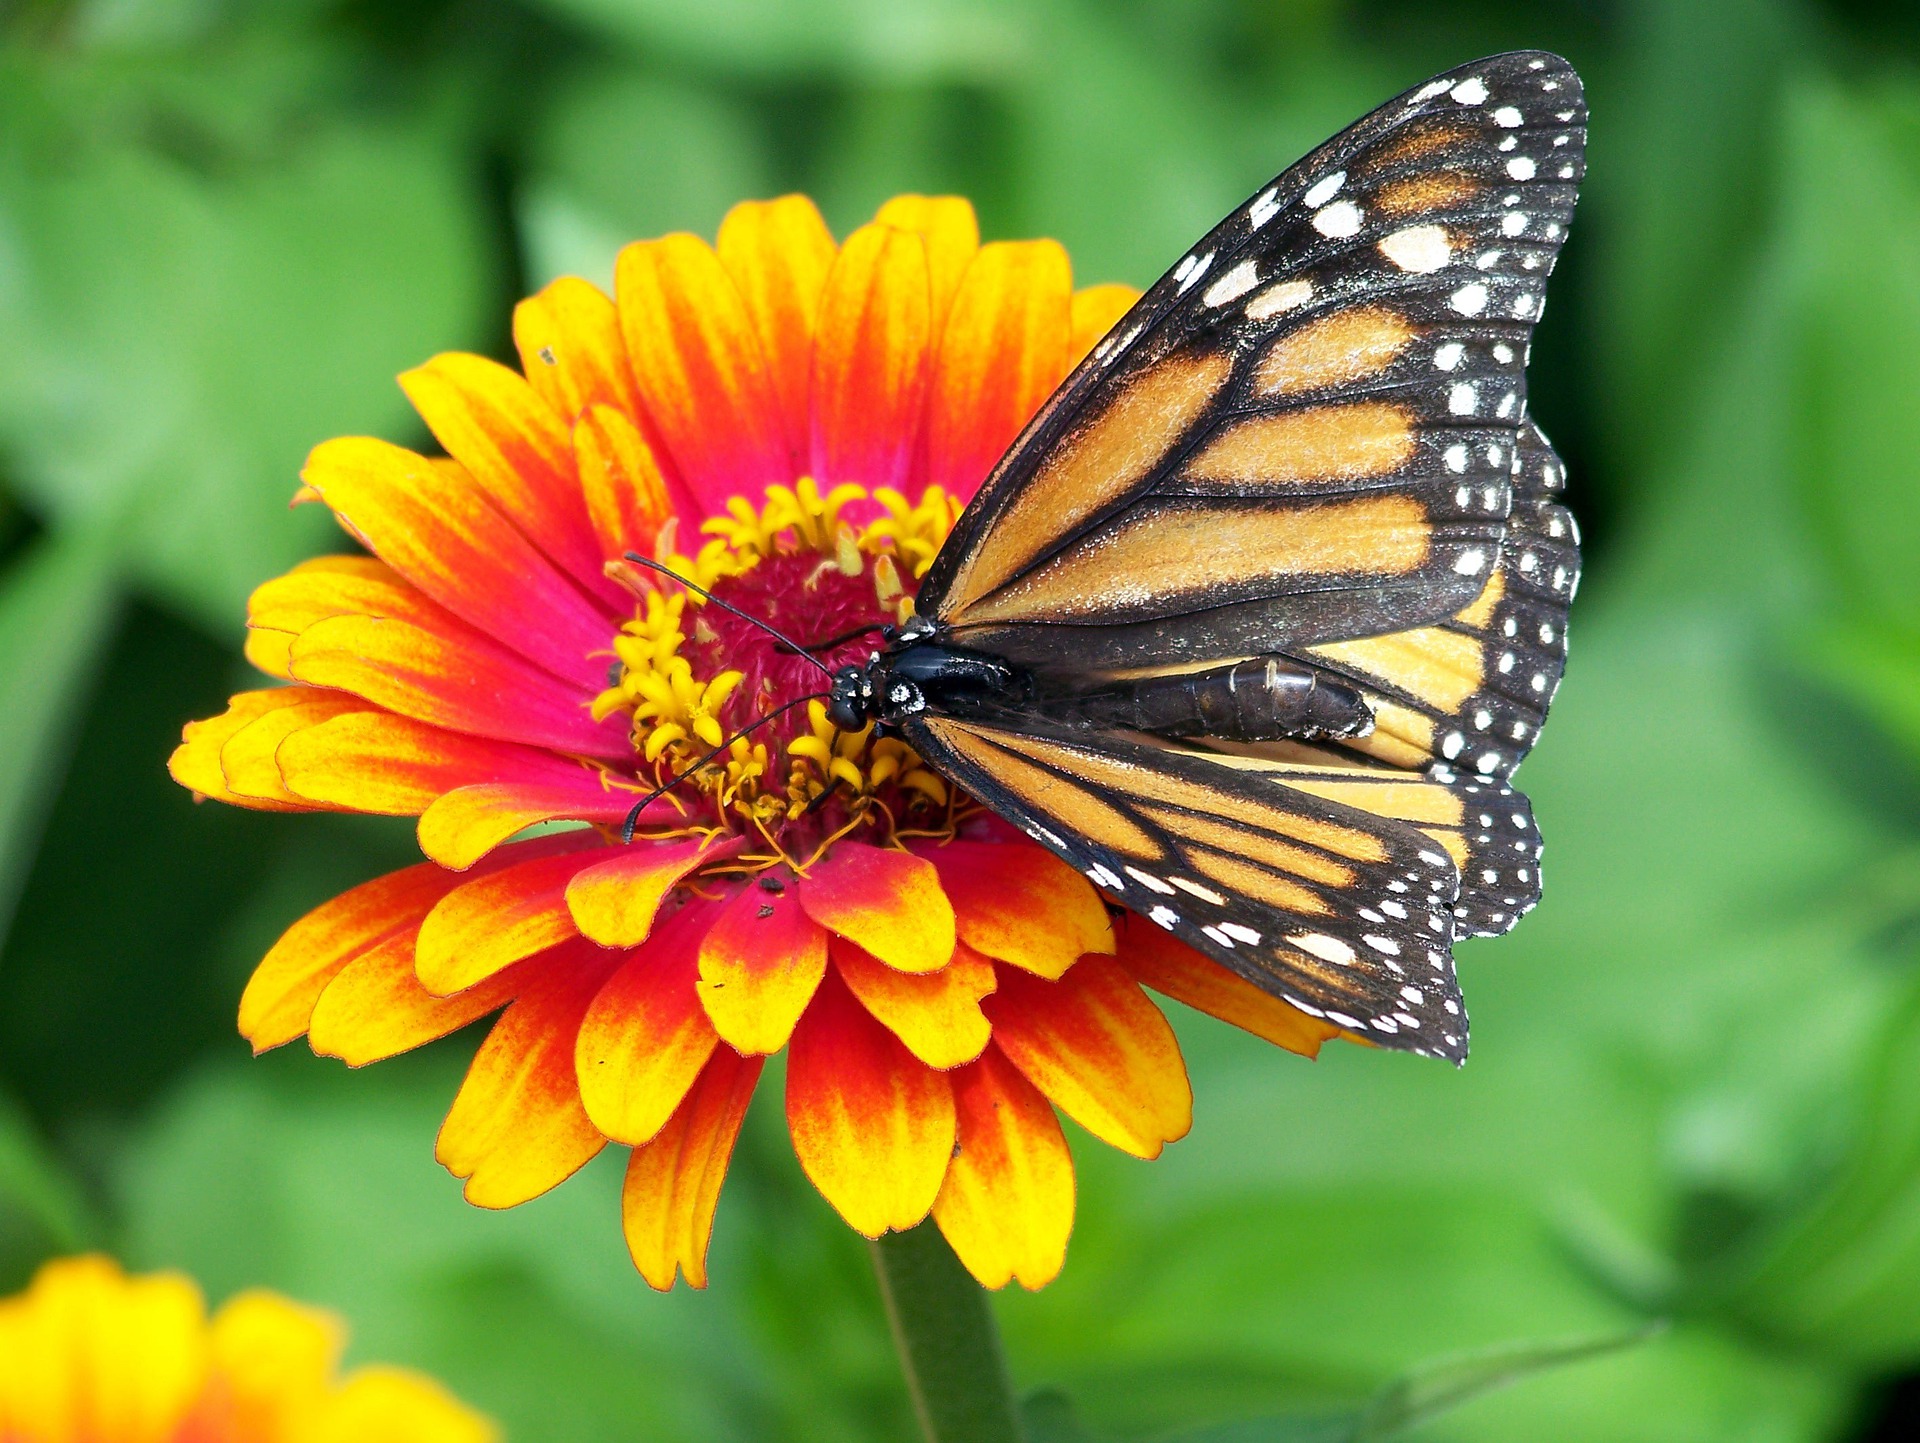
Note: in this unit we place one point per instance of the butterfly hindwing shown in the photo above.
(1306, 430)
(1305, 890)
(1472, 691)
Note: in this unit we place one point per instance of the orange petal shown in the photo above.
(952, 234)
(937, 1014)
(492, 921)
(195, 763)
(1019, 903)
(1001, 353)
(376, 1007)
(759, 964)
(626, 494)
(885, 901)
(873, 1128)
(1096, 1045)
(778, 253)
(433, 525)
(517, 1126)
(568, 336)
(645, 1038)
(281, 994)
(700, 368)
(373, 761)
(870, 358)
(274, 1359)
(614, 901)
(465, 824)
(673, 1182)
(250, 757)
(280, 609)
(1007, 1203)
(1096, 310)
(456, 679)
(1175, 970)
(517, 449)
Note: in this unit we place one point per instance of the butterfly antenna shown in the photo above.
(633, 814)
(727, 606)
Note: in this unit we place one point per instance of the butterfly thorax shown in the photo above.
(916, 673)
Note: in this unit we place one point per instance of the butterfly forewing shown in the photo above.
(1332, 888)
(1306, 431)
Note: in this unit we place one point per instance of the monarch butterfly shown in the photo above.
(1254, 620)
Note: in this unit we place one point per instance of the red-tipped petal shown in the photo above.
(519, 452)
(517, 1127)
(373, 761)
(568, 336)
(465, 824)
(626, 495)
(489, 922)
(888, 902)
(376, 1008)
(700, 369)
(1021, 904)
(432, 524)
(1175, 970)
(870, 359)
(778, 253)
(759, 965)
(280, 609)
(673, 1182)
(1001, 353)
(457, 679)
(645, 1038)
(872, 1126)
(196, 765)
(615, 901)
(937, 1014)
(1096, 1045)
(280, 996)
(948, 226)
(1007, 1203)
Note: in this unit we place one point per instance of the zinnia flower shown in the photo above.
(794, 425)
(89, 1355)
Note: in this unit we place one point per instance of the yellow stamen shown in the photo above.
(677, 716)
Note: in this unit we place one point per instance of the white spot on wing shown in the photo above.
(1520, 167)
(1418, 249)
(1339, 220)
(1233, 285)
(1263, 209)
(1324, 189)
(1275, 299)
(1471, 91)
(1470, 299)
(1328, 949)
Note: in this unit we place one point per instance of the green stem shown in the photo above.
(949, 1344)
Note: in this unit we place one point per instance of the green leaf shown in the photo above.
(875, 40)
(1681, 192)
(42, 1210)
(1440, 1387)
(1837, 1278)
(57, 606)
(623, 156)
(209, 262)
(1853, 182)
(292, 1174)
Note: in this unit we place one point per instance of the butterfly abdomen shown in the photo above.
(1261, 699)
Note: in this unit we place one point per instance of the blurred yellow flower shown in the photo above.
(90, 1355)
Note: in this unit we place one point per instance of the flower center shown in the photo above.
(692, 676)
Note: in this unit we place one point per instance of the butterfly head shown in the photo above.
(850, 698)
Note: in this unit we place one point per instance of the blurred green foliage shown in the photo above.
(1695, 1092)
